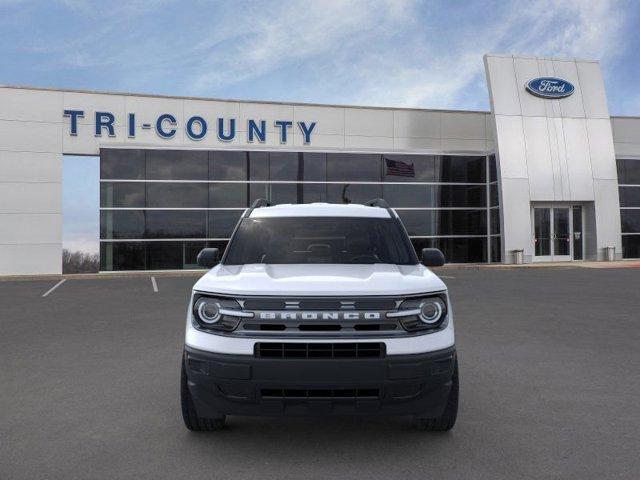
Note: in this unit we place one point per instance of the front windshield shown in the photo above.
(345, 240)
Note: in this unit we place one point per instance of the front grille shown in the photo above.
(330, 394)
(320, 303)
(319, 350)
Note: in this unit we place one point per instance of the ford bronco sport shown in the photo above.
(319, 309)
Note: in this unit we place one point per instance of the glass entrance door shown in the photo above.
(561, 250)
(557, 233)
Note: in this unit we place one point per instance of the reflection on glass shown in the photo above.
(542, 229)
(176, 224)
(128, 195)
(228, 165)
(125, 164)
(630, 196)
(630, 221)
(284, 166)
(456, 250)
(177, 195)
(561, 235)
(355, 167)
(228, 195)
(631, 246)
(352, 192)
(577, 233)
(122, 224)
(177, 165)
(628, 171)
(222, 222)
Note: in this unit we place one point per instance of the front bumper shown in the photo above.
(416, 384)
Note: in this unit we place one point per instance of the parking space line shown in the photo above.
(444, 276)
(54, 287)
(154, 284)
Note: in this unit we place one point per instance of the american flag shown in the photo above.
(399, 169)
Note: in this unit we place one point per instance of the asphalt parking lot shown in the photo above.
(549, 368)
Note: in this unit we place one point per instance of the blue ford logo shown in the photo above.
(549, 87)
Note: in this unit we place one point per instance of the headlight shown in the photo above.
(208, 310)
(213, 313)
(427, 313)
(431, 310)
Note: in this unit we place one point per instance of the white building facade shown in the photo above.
(546, 175)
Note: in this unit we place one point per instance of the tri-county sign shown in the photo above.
(549, 87)
(196, 127)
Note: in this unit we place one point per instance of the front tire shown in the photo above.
(447, 420)
(191, 419)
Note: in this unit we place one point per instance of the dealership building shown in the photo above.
(546, 175)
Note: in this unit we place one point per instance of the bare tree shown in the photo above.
(80, 262)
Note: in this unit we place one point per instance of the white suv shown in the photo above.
(319, 309)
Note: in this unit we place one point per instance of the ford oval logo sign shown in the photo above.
(549, 87)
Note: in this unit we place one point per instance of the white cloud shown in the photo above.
(388, 52)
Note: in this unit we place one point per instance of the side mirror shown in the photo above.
(432, 257)
(208, 257)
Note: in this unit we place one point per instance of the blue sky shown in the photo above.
(391, 53)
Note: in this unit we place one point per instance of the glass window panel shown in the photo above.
(415, 221)
(222, 222)
(628, 171)
(176, 224)
(494, 198)
(177, 165)
(284, 166)
(228, 165)
(122, 163)
(258, 190)
(121, 224)
(495, 220)
(456, 250)
(459, 195)
(285, 193)
(314, 192)
(496, 249)
(409, 168)
(444, 222)
(164, 255)
(352, 193)
(228, 195)
(115, 194)
(629, 196)
(355, 167)
(258, 165)
(190, 252)
(462, 169)
(493, 169)
(314, 166)
(122, 256)
(177, 195)
(408, 196)
(630, 221)
(630, 246)
(542, 231)
(434, 196)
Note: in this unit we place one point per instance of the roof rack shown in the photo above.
(260, 202)
(377, 202)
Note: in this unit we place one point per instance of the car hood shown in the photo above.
(319, 279)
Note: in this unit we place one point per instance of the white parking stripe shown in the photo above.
(54, 287)
(444, 276)
(154, 284)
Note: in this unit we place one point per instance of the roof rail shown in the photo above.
(260, 202)
(377, 202)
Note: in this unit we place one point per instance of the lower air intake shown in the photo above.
(336, 393)
(320, 350)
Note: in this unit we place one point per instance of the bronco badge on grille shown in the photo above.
(318, 315)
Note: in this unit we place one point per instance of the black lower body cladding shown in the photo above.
(416, 384)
